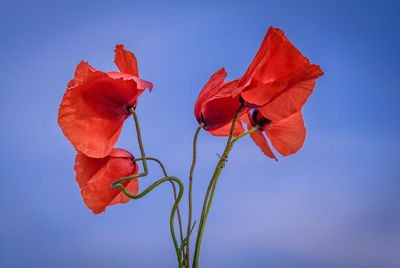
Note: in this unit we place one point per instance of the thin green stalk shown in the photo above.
(117, 184)
(139, 137)
(190, 188)
(174, 208)
(218, 172)
(220, 164)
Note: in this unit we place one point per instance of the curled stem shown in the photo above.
(174, 208)
(117, 184)
(190, 188)
(174, 189)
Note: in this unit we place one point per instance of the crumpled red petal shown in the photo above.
(95, 175)
(293, 99)
(126, 61)
(81, 72)
(287, 135)
(277, 67)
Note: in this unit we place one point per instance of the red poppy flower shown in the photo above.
(278, 82)
(95, 175)
(95, 104)
(287, 135)
(216, 105)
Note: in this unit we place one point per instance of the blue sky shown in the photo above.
(333, 204)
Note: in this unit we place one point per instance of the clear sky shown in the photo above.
(333, 204)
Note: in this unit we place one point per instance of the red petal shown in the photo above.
(293, 99)
(259, 95)
(91, 115)
(270, 72)
(81, 73)
(116, 152)
(209, 90)
(287, 135)
(225, 129)
(220, 111)
(140, 83)
(126, 61)
(95, 175)
(258, 137)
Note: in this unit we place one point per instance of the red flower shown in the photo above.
(216, 105)
(287, 135)
(95, 104)
(278, 82)
(95, 175)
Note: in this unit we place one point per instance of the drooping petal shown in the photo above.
(258, 137)
(91, 115)
(95, 175)
(81, 73)
(287, 135)
(271, 71)
(126, 61)
(293, 99)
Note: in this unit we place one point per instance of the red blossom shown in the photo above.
(95, 175)
(278, 82)
(95, 104)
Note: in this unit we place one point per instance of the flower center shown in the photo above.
(259, 119)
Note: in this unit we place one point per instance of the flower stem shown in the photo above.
(217, 171)
(190, 188)
(116, 183)
(174, 208)
(174, 189)
(214, 183)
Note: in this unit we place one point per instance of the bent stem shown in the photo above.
(174, 208)
(116, 183)
(189, 227)
(174, 189)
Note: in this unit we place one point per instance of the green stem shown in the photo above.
(174, 189)
(217, 171)
(116, 183)
(190, 188)
(174, 208)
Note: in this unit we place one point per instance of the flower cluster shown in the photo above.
(92, 112)
(273, 91)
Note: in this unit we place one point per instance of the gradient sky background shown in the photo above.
(335, 203)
